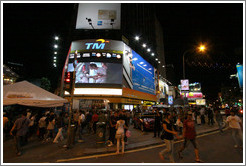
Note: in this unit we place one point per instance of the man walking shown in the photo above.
(236, 126)
(19, 131)
(189, 134)
(219, 120)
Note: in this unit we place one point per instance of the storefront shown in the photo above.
(109, 75)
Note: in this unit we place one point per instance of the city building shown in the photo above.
(117, 51)
(9, 76)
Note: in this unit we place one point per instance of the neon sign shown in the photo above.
(96, 45)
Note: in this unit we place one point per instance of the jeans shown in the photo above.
(169, 149)
(220, 123)
(157, 129)
(18, 143)
(237, 135)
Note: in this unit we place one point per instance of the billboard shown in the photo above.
(170, 100)
(184, 85)
(97, 72)
(100, 15)
(200, 102)
(143, 75)
(240, 75)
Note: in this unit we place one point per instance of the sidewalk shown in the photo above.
(37, 152)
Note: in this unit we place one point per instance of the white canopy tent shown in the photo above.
(25, 93)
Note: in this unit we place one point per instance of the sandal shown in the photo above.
(199, 161)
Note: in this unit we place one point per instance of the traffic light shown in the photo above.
(68, 81)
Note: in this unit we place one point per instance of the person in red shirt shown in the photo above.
(94, 121)
(189, 134)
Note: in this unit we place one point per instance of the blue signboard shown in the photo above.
(143, 75)
(240, 75)
(170, 100)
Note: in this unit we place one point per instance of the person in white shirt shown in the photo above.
(236, 126)
(120, 133)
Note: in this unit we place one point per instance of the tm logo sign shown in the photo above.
(96, 45)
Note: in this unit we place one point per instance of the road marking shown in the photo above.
(130, 151)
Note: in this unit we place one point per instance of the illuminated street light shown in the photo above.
(137, 38)
(152, 54)
(54, 57)
(163, 66)
(202, 48)
(55, 46)
(148, 49)
(159, 61)
(156, 59)
(144, 45)
(56, 38)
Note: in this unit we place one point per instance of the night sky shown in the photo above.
(29, 31)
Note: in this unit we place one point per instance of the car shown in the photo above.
(144, 121)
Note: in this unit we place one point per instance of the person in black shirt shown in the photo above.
(157, 126)
(112, 129)
(169, 133)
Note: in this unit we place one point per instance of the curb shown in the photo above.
(142, 146)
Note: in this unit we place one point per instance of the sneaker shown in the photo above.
(235, 146)
(65, 146)
(80, 141)
(199, 161)
(55, 142)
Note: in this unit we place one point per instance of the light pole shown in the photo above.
(201, 48)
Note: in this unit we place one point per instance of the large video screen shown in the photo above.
(97, 73)
(143, 75)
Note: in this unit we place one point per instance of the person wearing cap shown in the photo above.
(189, 134)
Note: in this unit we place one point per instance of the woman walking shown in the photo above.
(169, 133)
(120, 133)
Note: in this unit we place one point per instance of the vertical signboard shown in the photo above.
(170, 100)
(240, 75)
(185, 85)
(99, 15)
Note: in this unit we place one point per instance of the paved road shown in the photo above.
(214, 148)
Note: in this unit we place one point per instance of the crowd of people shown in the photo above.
(52, 126)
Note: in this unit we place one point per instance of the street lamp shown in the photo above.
(201, 48)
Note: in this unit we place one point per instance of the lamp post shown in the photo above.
(201, 48)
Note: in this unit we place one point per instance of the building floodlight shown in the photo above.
(137, 38)
(144, 45)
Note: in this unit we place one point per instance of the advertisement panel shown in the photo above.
(170, 100)
(184, 85)
(97, 72)
(143, 75)
(200, 102)
(99, 15)
(240, 75)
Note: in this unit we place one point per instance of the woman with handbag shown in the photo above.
(168, 136)
(120, 134)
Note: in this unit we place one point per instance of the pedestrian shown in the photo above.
(94, 121)
(32, 126)
(19, 131)
(219, 119)
(5, 125)
(210, 117)
(157, 124)
(202, 113)
(235, 124)
(59, 125)
(88, 120)
(120, 134)
(179, 125)
(42, 127)
(50, 127)
(168, 136)
(81, 125)
(112, 129)
(189, 134)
